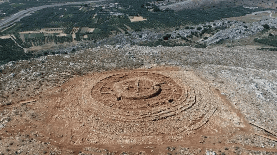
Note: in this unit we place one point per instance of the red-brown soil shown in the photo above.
(143, 111)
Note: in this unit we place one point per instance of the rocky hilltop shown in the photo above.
(235, 88)
(149, 77)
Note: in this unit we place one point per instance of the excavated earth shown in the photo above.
(141, 100)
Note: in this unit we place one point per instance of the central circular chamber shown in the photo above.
(136, 89)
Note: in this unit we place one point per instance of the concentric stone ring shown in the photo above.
(140, 96)
(127, 107)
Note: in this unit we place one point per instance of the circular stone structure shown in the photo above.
(135, 89)
(140, 96)
(126, 107)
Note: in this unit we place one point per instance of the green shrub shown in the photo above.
(268, 49)
(266, 26)
(200, 46)
(167, 36)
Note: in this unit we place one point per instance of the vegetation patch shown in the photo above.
(268, 49)
(168, 43)
(270, 40)
(9, 51)
(200, 46)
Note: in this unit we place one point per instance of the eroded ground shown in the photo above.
(148, 110)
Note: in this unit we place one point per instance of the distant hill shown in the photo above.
(192, 4)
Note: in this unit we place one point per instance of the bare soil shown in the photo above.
(214, 102)
(137, 19)
(150, 111)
